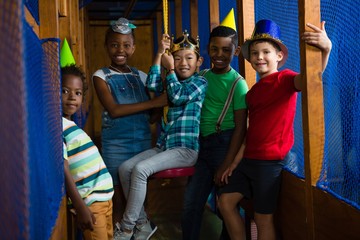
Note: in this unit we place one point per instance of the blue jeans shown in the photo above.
(135, 172)
(213, 149)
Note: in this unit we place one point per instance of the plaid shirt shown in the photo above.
(185, 102)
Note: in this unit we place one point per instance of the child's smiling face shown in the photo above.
(120, 48)
(221, 51)
(264, 57)
(72, 94)
(186, 63)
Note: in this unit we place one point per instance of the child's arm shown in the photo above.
(119, 110)
(84, 216)
(154, 81)
(155, 113)
(240, 117)
(317, 38)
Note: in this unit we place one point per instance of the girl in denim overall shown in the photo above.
(122, 93)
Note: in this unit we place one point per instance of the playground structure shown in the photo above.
(320, 197)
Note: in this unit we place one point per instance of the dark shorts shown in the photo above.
(258, 180)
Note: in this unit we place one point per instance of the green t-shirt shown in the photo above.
(219, 86)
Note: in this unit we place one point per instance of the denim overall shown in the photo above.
(126, 136)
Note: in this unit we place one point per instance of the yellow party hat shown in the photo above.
(66, 56)
(229, 20)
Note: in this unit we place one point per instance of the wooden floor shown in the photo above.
(163, 205)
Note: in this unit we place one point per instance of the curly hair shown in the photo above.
(223, 31)
(72, 69)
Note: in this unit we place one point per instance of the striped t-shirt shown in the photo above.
(87, 167)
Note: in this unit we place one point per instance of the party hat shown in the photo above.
(66, 56)
(229, 20)
(265, 30)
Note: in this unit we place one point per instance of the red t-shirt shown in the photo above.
(272, 104)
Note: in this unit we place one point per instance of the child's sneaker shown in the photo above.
(116, 231)
(145, 231)
(121, 235)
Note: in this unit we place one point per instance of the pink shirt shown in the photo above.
(272, 104)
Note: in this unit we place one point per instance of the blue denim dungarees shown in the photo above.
(126, 136)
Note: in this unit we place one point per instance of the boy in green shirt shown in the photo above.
(218, 143)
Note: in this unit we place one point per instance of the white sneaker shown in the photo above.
(121, 235)
(145, 231)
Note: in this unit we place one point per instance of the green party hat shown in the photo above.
(66, 56)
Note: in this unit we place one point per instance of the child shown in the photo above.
(88, 182)
(271, 103)
(217, 148)
(177, 145)
(125, 120)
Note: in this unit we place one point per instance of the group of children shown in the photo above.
(204, 127)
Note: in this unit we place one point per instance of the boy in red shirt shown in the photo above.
(270, 136)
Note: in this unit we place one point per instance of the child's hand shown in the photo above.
(85, 219)
(218, 175)
(227, 173)
(318, 38)
(164, 44)
(167, 61)
(161, 100)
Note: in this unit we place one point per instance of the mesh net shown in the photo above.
(44, 132)
(340, 174)
(33, 7)
(13, 135)
(341, 167)
(31, 139)
(50, 173)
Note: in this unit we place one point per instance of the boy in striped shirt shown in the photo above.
(87, 180)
